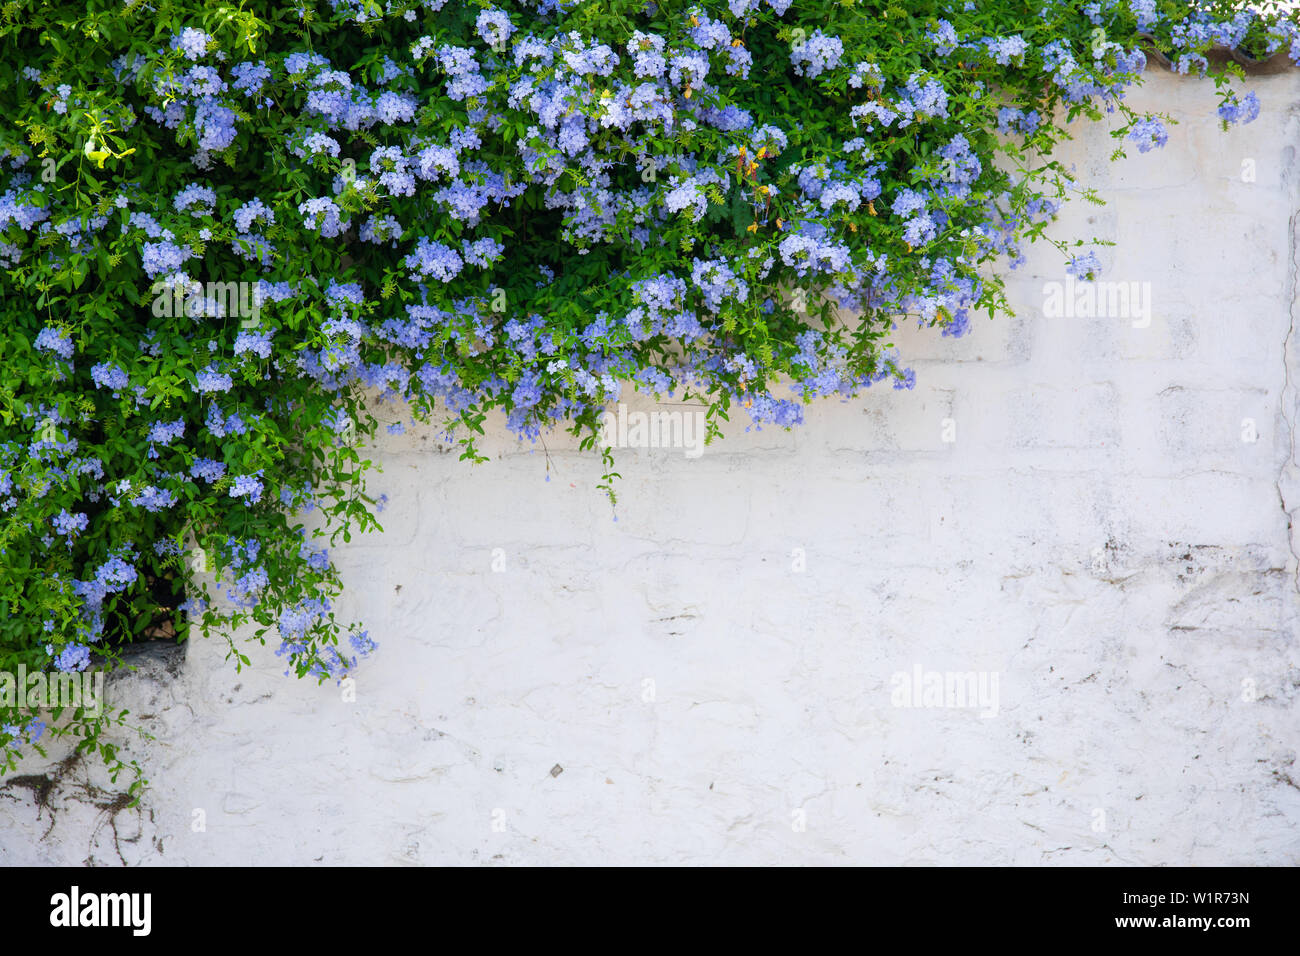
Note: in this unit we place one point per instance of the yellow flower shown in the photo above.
(98, 155)
(752, 227)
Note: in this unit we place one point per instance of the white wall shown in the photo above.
(1099, 535)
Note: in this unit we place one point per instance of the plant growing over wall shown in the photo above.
(222, 227)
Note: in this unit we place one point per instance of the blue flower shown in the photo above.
(259, 343)
(207, 469)
(362, 643)
(907, 381)
(434, 259)
(114, 574)
(154, 499)
(193, 43)
(70, 524)
(109, 376)
(201, 197)
(322, 215)
(255, 211)
(944, 38)
(1084, 267)
(51, 339)
(163, 258)
(816, 55)
(73, 657)
(1149, 134)
(1240, 110)
(164, 433)
(248, 487)
(250, 77)
(211, 380)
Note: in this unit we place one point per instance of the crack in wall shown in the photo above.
(1289, 476)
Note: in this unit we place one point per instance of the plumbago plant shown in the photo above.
(224, 229)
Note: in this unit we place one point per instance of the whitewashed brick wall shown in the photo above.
(1099, 536)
